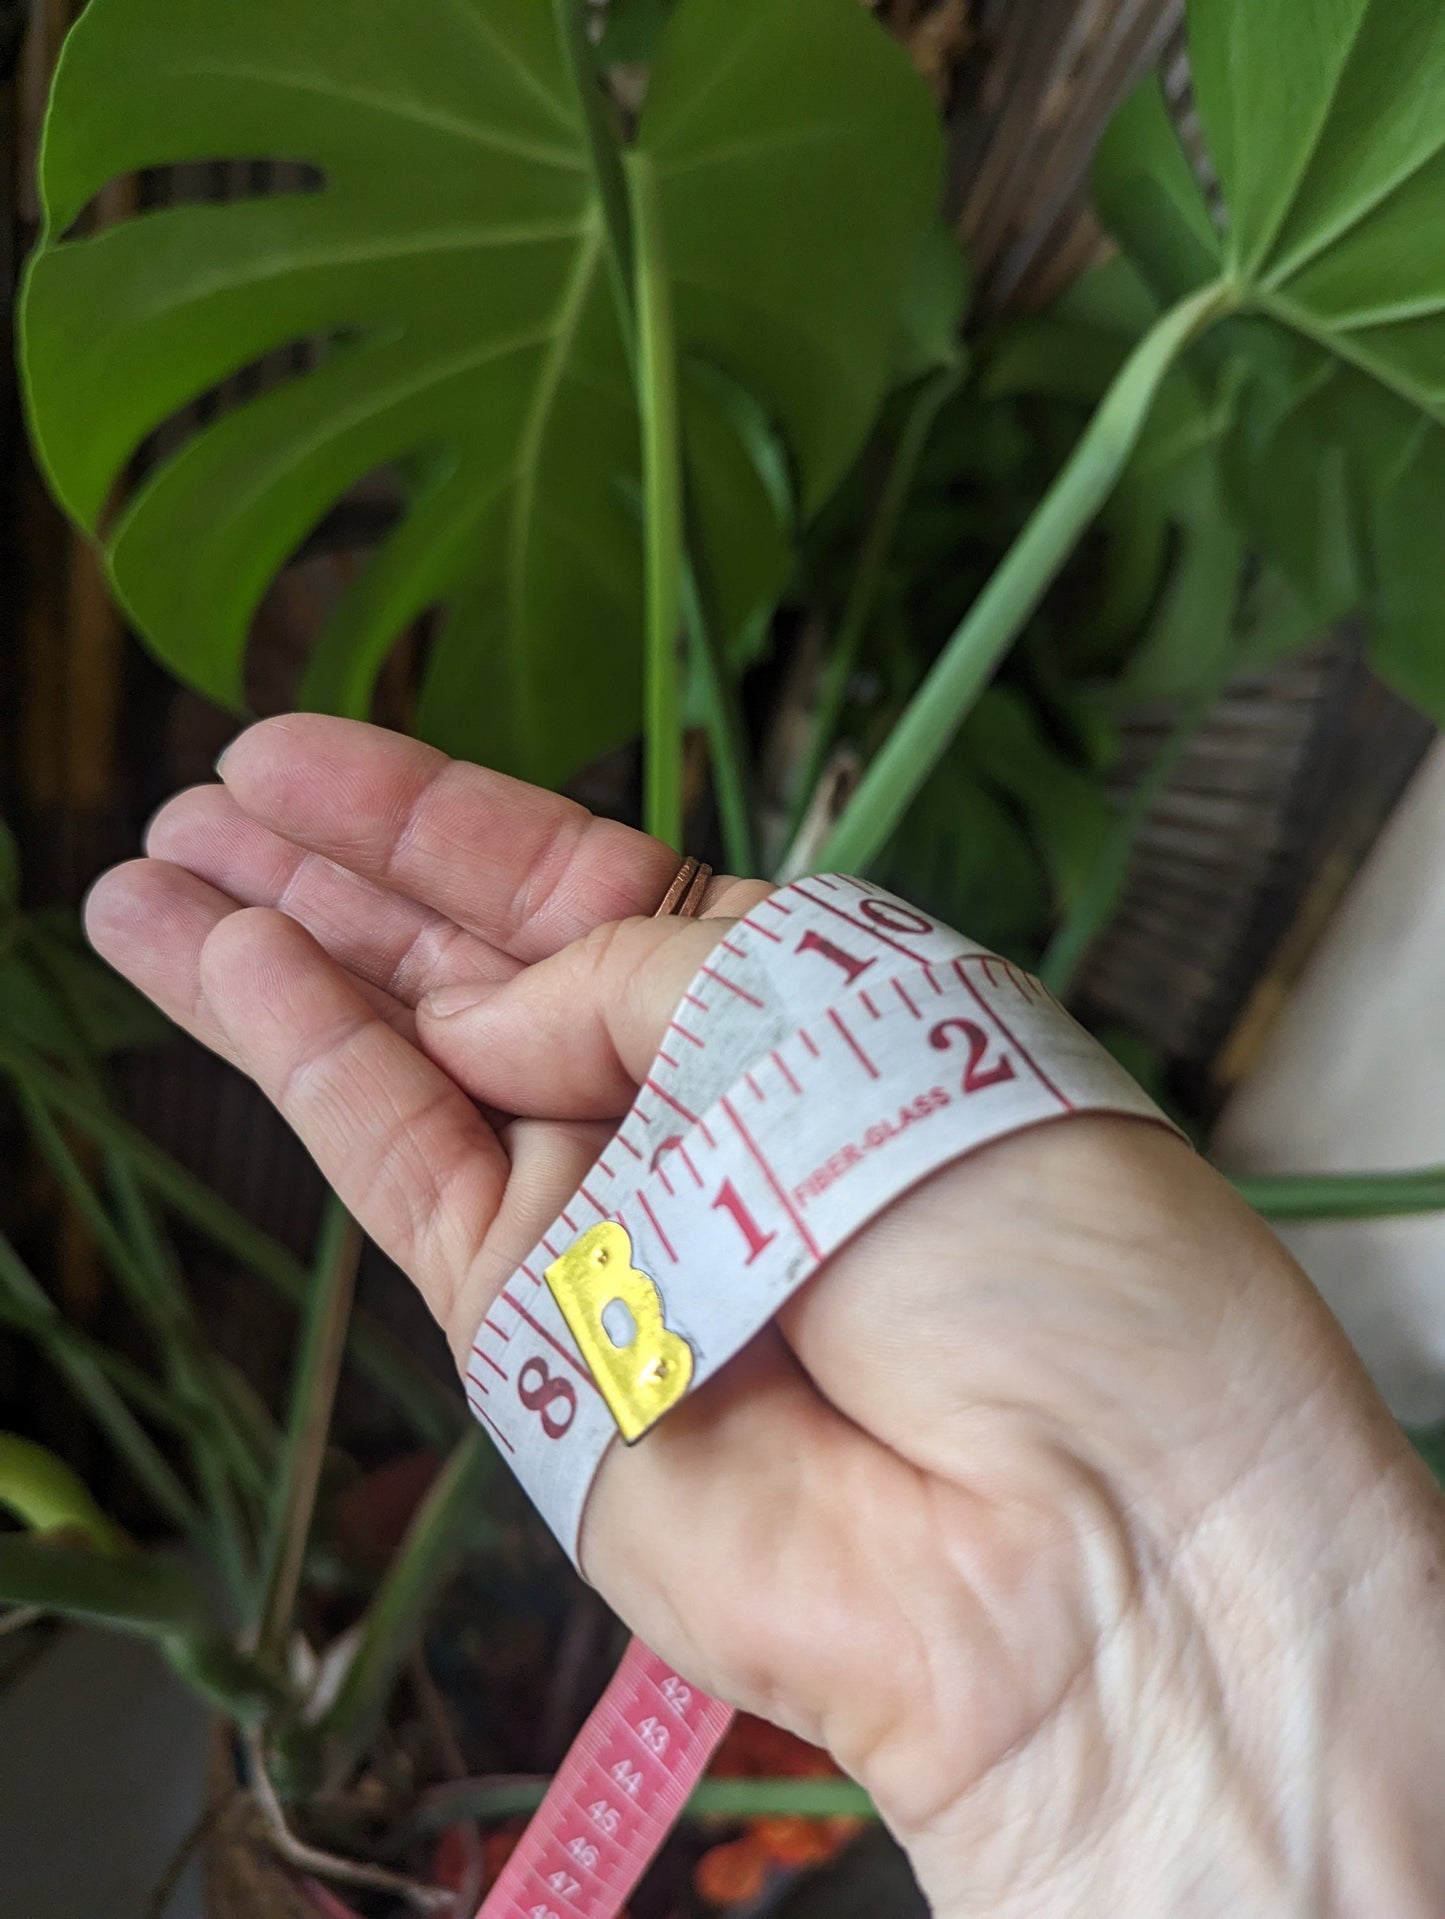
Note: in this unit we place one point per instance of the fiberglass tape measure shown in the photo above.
(837, 1047)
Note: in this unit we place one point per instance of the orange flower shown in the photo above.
(731, 1875)
(738, 1870)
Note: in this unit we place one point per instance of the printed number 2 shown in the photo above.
(976, 1076)
(730, 1200)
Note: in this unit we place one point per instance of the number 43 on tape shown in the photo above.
(837, 1048)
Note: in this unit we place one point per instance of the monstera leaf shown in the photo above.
(1326, 129)
(449, 275)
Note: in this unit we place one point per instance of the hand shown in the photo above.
(1056, 1508)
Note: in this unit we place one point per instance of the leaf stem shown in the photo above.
(604, 151)
(969, 660)
(866, 585)
(313, 1395)
(66, 1350)
(508, 1797)
(1104, 886)
(155, 1292)
(433, 1411)
(662, 486)
(726, 739)
(1325, 1196)
(397, 1613)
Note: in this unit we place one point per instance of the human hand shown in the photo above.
(1056, 1508)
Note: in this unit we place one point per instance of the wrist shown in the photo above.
(1328, 1639)
(1256, 1728)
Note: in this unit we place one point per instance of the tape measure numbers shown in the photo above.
(837, 1047)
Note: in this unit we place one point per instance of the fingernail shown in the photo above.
(221, 761)
(448, 1000)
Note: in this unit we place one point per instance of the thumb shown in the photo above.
(573, 1036)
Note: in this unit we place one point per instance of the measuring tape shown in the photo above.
(837, 1047)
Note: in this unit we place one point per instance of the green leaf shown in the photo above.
(964, 854)
(43, 1493)
(108, 1014)
(452, 271)
(1325, 124)
(632, 31)
(1342, 486)
(789, 244)
(1148, 196)
(1065, 807)
(134, 1593)
(871, 1880)
(1431, 1448)
(935, 302)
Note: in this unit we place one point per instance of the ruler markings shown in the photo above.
(555, 1344)
(837, 1019)
(1024, 1054)
(676, 1104)
(732, 986)
(656, 1227)
(771, 1177)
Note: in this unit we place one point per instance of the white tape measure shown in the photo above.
(837, 1047)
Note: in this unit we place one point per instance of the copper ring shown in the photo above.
(684, 898)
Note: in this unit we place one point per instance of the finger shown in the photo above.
(574, 1036)
(522, 869)
(404, 1148)
(378, 935)
(150, 921)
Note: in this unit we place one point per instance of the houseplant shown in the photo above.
(736, 295)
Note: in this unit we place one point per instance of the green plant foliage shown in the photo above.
(453, 269)
(1326, 128)
(45, 1495)
(58, 998)
(632, 30)
(871, 1879)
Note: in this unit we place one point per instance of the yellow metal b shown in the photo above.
(615, 1315)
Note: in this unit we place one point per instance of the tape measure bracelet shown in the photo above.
(837, 1047)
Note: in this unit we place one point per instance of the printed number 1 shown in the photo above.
(732, 1201)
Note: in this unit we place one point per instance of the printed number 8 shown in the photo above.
(540, 1393)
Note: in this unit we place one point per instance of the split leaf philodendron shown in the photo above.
(1326, 129)
(467, 265)
(452, 268)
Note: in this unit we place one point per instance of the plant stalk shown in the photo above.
(155, 1291)
(63, 1347)
(604, 152)
(1105, 885)
(1326, 1196)
(1006, 604)
(866, 585)
(507, 1797)
(662, 490)
(313, 1395)
(397, 1613)
(434, 1412)
(732, 781)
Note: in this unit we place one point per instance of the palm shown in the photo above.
(924, 1454)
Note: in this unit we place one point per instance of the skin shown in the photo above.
(1057, 1508)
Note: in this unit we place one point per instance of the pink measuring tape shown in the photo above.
(837, 1047)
